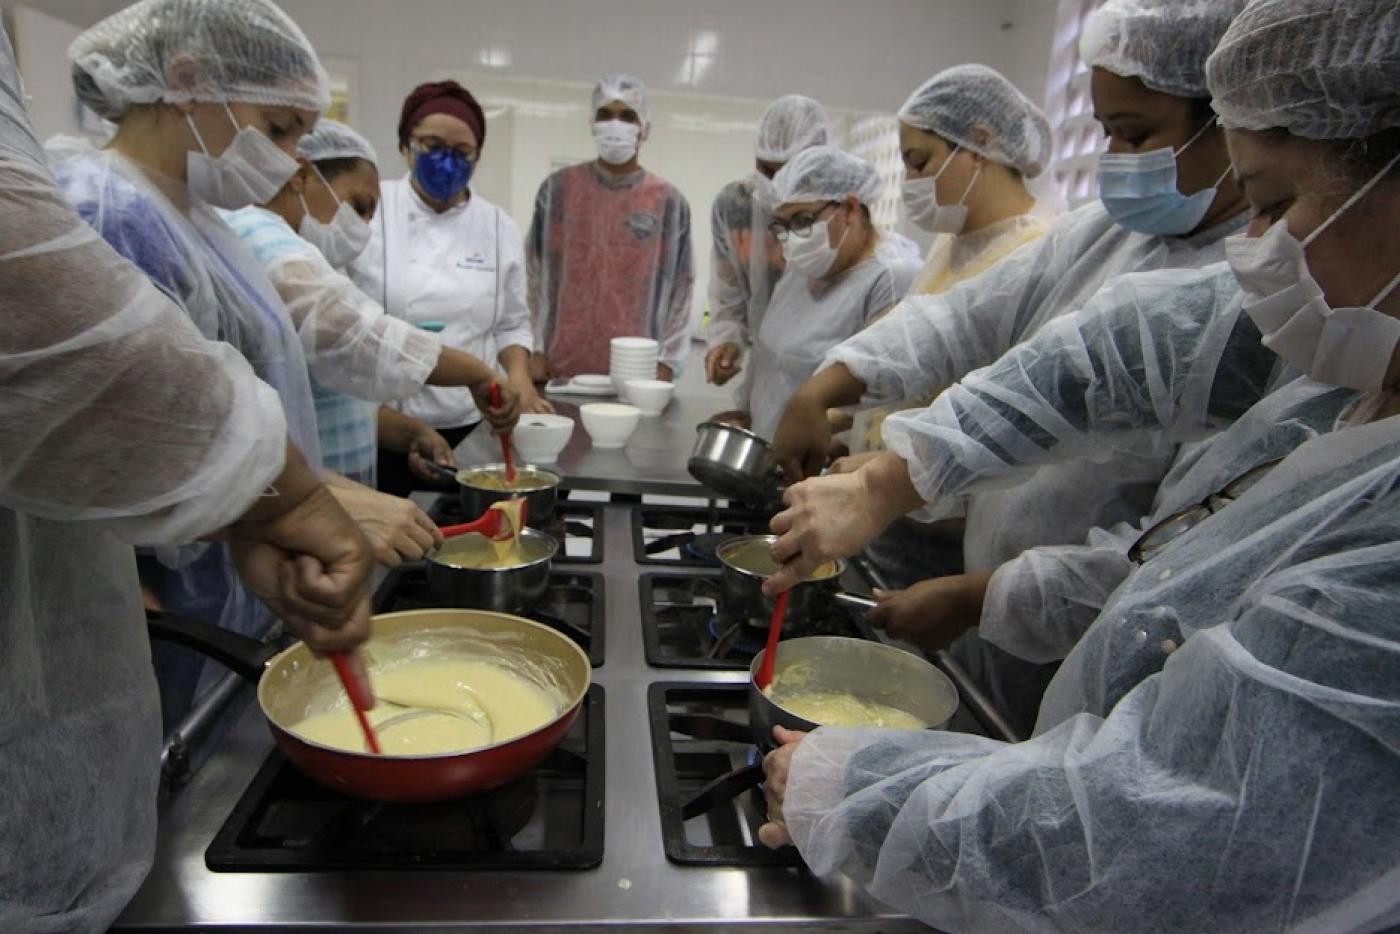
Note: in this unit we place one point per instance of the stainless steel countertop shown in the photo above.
(652, 462)
(636, 887)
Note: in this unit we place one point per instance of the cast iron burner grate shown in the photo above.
(683, 628)
(687, 536)
(574, 604)
(708, 777)
(577, 527)
(550, 819)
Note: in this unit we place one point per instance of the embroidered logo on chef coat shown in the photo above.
(643, 225)
(478, 261)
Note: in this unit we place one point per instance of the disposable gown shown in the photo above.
(358, 356)
(930, 342)
(193, 256)
(608, 257)
(745, 265)
(807, 317)
(1040, 603)
(119, 424)
(1219, 753)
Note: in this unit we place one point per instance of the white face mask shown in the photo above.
(617, 140)
(1350, 347)
(343, 239)
(813, 255)
(921, 201)
(250, 171)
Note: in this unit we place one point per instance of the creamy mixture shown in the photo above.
(756, 558)
(495, 479)
(476, 551)
(456, 704)
(837, 708)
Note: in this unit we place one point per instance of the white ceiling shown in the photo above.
(861, 54)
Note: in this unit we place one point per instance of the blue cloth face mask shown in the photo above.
(443, 173)
(1139, 191)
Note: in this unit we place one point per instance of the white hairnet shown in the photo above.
(791, 124)
(245, 51)
(170, 437)
(626, 88)
(974, 107)
(332, 139)
(1321, 69)
(825, 173)
(1164, 43)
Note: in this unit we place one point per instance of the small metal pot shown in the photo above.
(737, 464)
(505, 590)
(869, 670)
(745, 564)
(539, 487)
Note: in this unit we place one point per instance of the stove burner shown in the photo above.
(577, 527)
(708, 776)
(687, 536)
(574, 604)
(551, 818)
(682, 626)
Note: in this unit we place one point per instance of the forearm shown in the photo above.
(458, 368)
(831, 388)
(292, 486)
(515, 360)
(397, 430)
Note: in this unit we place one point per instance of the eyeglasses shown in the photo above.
(800, 224)
(424, 144)
(1179, 523)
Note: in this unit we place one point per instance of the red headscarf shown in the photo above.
(441, 97)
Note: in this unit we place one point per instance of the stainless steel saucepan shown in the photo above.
(737, 464)
(505, 589)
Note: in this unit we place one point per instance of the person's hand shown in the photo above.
(733, 417)
(774, 833)
(397, 530)
(540, 370)
(803, 437)
(932, 613)
(835, 516)
(310, 565)
(665, 373)
(722, 363)
(531, 402)
(851, 462)
(501, 419)
(839, 420)
(429, 446)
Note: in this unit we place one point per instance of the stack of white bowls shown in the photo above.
(632, 358)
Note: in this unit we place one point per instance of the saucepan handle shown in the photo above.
(855, 601)
(246, 656)
(446, 473)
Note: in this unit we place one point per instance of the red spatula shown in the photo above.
(770, 651)
(360, 701)
(492, 524)
(505, 438)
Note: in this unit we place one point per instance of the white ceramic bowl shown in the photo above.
(649, 395)
(609, 424)
(539, 438)
(634, 344)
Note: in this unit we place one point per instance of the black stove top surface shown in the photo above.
(574, 604)
(552, 818)
(709, 777)
(687, 536)
(577, 527)
(682, 626)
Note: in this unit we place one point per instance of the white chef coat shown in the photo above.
(464, 268)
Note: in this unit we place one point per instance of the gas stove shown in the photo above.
(687, 536)
(684, 627)
(551, 819)
(574, 604)
(577, 527)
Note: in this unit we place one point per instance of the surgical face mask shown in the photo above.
(250, 171)
(813, 255)
(443, 173)
(617, 140)
(921, 201)
(1139, 191)
(343, 239)
(1350, 347)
